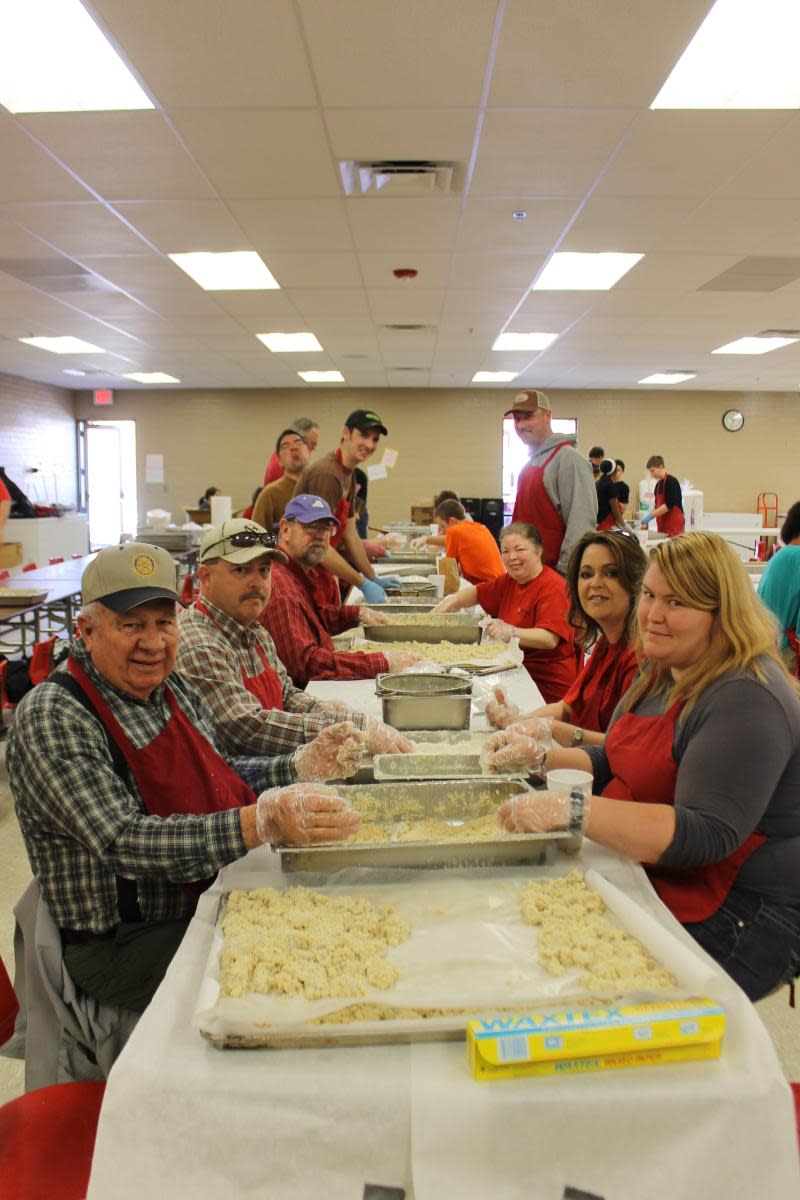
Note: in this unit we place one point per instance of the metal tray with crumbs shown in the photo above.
(392, 807)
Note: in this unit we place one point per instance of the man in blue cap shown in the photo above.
(304, 608)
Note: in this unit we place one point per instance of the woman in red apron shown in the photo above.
(699, 777)
(604, 575)
(529, 603)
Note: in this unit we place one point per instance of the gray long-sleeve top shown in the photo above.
(738, 757)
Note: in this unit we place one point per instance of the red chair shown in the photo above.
(4, 574)
(77, 556)
(188, 590)
(42, 660)
(47, 1136)
(29, 567)
(51, 562)
(796, 1097)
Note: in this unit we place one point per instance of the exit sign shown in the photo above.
(103, 396)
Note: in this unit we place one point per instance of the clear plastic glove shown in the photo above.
(335, 753)
(382, 739)
(498, 630)
(512, 750)
(446, 605)
(372, 592)
(402, 660)
(393, 541)
(500, 712)
(419, 543)
(368, 617)
(541, 812)
(332, 706)
(304, 813)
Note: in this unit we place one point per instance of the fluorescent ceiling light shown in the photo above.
(667, 377)
(744, 55)
(524, 341)
(62, 345)
(494, 376)
(151, 377)
(237, 271)
(754, 345)
(322, 376)
(571, 272)
(53, 58)
(289, 343)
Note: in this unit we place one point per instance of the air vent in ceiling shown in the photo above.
(407, 328)
(795, 333)
(756, 273)
(400, 178)
(408, 368)
(55, 274)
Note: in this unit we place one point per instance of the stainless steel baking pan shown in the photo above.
(427, 712)
(393, 805)
(399, 606)
(469, 740)
(432, 683)
(427, 766)
(460, 633)
(412, 556)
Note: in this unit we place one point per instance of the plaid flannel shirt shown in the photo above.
(214, 654)
(296, 617)
(83, 825)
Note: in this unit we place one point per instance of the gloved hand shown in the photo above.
(647, 518)
(368, 617)
(499, 630)
(304, 813)
(446, 605)
(393, 541)
(512, 750)
(401, 660)
(335, 753)
(500, 712)
(382, 739)
(389, 581)
(372, 592)
(541, 812)
(333, 706)
(420, 543)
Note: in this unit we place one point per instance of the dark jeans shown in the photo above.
(755, 939)
(126, 966)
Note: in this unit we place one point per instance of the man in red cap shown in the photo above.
(555, 491)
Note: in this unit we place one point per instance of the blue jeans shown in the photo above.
(754, 938)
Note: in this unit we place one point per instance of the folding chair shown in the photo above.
(46, 1136)
(52, 562)
(29, 567)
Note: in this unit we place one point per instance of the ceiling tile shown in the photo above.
(322, 301)
(405, 225)
(76, 229)
(301, 224)
(487, 225)
(28, 171)
(413, 134)
(185, 226)
(432, 269)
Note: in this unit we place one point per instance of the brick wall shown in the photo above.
(37, 429)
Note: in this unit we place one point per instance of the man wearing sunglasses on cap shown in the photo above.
(126, 806)
(333, 478)
(305, 610)
(231, 661)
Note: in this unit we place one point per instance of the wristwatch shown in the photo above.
(577, 736)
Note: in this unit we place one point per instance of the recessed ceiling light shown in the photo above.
(322, 376)
(524, 341)
(519, 214)
(668, 377)
(754, 345)
(740, 57)
(234, 271)
(72, 371)
(289, 343)
(494, 376)
(151, 377)
(62, 345)
(53, 58)
(573, 272)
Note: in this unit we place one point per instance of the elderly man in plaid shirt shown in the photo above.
(231, 661)
(126, 806)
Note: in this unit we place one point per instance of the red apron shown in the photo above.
(179, 771)
(540, 510)
(672, 522)
(607, 522)
(342, 510)
(639, 753)
(266, 686)
(794, 643)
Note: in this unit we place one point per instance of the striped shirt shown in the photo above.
(214, 654)
(83, 825)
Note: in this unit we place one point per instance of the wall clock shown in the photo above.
(733, 420)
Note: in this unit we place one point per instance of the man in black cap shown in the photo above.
(333, 478)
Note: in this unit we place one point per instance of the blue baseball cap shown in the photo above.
(305, 509)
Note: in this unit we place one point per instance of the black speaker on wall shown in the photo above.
(473, 506)
(492, 514)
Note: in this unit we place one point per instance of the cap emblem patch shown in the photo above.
(144, 565)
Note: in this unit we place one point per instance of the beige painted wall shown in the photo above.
(451, 438)
(37, 429)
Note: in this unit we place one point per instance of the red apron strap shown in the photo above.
(266, 686)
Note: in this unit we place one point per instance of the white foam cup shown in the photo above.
(566, 780)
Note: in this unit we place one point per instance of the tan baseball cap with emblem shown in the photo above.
(123, 576)
(528, 402)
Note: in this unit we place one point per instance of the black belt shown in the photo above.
(82, 937)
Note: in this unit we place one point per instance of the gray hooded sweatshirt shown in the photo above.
(569, 483)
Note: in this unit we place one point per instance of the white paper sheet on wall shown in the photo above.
(154, 468)
(377, 471)
(389, 458)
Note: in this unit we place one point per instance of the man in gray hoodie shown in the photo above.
(555, 491)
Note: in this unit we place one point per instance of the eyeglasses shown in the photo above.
(245, 539)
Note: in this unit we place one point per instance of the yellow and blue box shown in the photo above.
(580, 1038)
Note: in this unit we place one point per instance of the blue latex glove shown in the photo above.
(647, 518)
(372, 592)
(388, 581)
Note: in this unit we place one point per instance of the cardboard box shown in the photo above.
(576, 1039)
(10, 554)
(422, 513)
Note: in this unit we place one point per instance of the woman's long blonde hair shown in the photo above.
(703, 572)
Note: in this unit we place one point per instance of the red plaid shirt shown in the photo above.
(303, 611)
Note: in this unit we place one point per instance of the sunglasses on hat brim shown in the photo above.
(245, 539)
